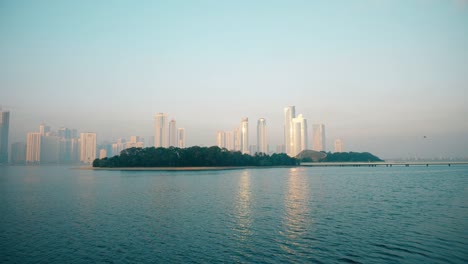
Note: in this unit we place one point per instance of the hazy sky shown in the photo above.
(380, 74)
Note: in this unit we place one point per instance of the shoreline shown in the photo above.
(179, 168)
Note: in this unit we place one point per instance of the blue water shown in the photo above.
(286, 215)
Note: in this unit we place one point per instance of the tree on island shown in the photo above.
(322, 156)
(191, 157)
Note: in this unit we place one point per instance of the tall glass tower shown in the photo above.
(262, 145)
(4, 128)
(244, 135)
(160, 135)
(289, 114)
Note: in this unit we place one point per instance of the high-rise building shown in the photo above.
(50, 149)
(33, 148)
(220, 139)
(262, 143)
(18, 153)
(102, 153)
(172, 133)
(228, 140)
(237, 139)
(279, 148)
(318, 137)
(44, 129)
(181, 138)
(300, 142)
(338, 145)
(289, 114)
(4, 130)
(160, 135)
(244, 135)
(88, 147)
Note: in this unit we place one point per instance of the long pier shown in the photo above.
(385, 163)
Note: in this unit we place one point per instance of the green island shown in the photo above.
(217, 157)
(191, 157)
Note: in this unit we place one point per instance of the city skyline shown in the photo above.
(388, 77)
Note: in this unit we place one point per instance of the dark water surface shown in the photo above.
(299, 215)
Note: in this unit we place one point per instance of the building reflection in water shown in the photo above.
(243, 210)
(297, 219)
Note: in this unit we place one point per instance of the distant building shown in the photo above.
(237, 139)
(299, 130)
(4, 131)
(88, 147)
(338, 145)
(244, 135)
(102, 153)
(160, 135)
(134, 142)
(262, 144)
(280, 149)
(172, 133)
(50, 149)
(220, 139)
(44, 129)
(181, 138)
(18, 153)
(33, 148)
(228, 140)
(252, 149)
(318, 137)
(289, 115)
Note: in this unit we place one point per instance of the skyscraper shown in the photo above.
(244, 135)
(237, 139)
(318, 137)
(289, 114)
(181, 138)
(172, 133)
(50, 149)
(4, 130)
(220, 139)
(160, 135)
(338, 145)
(228, 140)
(300, 142)
(33, 148)
(18, 153)
(44, 129)
(262, 144)
(88, 147)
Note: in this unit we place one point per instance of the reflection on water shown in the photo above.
(243, 208)
(296, 218)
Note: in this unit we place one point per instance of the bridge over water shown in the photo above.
(384, 163)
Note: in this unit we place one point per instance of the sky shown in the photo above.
(386, 76)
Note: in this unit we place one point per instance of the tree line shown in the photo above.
(350, 157)
(191, 157)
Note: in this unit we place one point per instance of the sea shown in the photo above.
(57, 214)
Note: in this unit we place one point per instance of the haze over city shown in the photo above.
(388, 77)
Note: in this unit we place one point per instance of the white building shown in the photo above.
(338, 145)
(88, 147)
(33, 148)
(220, 139)
(228, 140)
(244, 135)
(289, 114)
(262, 143)
(172, 133)
(237, 139)
(318, 137)
(160, 135)
(181, 138)
(300, 142)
